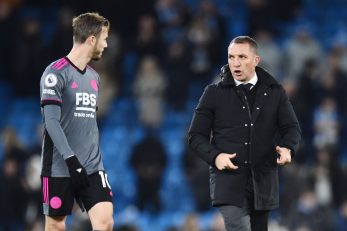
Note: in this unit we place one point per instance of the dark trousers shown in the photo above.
(245, 218)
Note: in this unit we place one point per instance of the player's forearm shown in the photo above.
(52, 115)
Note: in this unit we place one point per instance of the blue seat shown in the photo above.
(25, 124)
(175, 192)
(123, 111)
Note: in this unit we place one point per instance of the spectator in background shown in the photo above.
(342, 184)
(61, 39)
(13, 197)
(200, 39)
(329, 178)
(173, 18)
(299, 49)
(293, 175)
(327, 88)
(36, 146)
(286, 10)
(341, 221)
(149, 90)
(32, 186)
(113, 56)
(148, 160)
(109, 88)
(124, 15)
(270, 53)
(179, 76)
(326, 124)
(307, 98)
(334, 81)
(148, 41)
(8, 26)
(13, 147)
(110, 71)
(28, 62)
(197, 174)
(308, 213)
(341, 48)
(213, 19)
(259, 16)
(290, 87)
(323, 187)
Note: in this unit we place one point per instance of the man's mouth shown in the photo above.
(237, 72)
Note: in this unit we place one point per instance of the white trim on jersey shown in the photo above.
(85, 109)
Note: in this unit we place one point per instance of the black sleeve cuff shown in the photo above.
(50, 102)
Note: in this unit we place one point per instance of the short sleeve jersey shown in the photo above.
(76, 92)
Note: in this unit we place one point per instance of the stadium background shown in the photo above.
(161, 54)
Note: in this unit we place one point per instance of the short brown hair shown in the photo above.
(246, 39)
(86, 25)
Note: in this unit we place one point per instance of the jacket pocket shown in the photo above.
(266, 188)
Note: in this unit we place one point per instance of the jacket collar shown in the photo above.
(263, 76)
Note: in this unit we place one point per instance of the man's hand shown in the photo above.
(223, 161)
(284, 155)
(77, 172)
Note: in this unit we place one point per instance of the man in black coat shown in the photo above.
(244, 127)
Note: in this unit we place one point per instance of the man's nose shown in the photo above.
(236, 63)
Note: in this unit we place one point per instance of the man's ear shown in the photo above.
(91, 40)
(257, 60)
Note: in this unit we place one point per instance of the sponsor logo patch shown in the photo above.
(51, 80)
(48, 91)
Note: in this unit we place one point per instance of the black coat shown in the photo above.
(222, 123)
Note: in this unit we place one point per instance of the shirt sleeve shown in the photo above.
(51, 88)
(52, 115)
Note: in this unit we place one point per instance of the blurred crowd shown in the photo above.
(160, 55)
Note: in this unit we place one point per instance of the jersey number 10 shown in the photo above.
(104, 179)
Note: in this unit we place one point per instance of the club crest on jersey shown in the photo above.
(51, 80)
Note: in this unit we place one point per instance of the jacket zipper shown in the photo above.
(248, 108)
(249, 148)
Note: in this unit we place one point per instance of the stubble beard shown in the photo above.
(96, 54)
